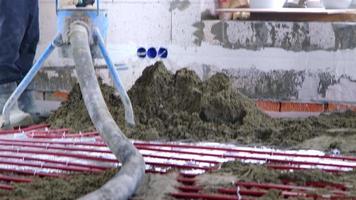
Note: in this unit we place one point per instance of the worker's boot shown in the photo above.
(28, 105)
(17, 116)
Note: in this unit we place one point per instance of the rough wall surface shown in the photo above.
(292, 36)
(274, 60)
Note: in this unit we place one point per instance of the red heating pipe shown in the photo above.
(71, 155)
(5, 132)
(81, 135)
(274, 186)
(186, 175)
(184, 151)
(25, 158)
(30, 172)
(186, 181)
(14, 179)
(180, 151)
(179, 166)
(152, 171)
(35, 127)
(233, 191)
(309, 163)
(19, 130)
(55, 147)
(6, 187)
(315, 196)
(50, 131)
(290, 167)
(54, 135)
(187, 195)
(255, 193)
(179, 158)
(322, 184)
(55, 142)
(192, 189)
(49, 166)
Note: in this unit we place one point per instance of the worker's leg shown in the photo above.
(27, 54)
(27, 50)
(13, 23)
(14, 20)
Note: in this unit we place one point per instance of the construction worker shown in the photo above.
(19, 35)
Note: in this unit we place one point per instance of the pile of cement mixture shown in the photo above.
(170, 106)
(181, 106)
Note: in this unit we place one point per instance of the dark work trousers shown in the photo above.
(19, 35)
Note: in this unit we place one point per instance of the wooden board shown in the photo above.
(297, 14)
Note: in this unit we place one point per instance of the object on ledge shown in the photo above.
(314, 4)
(233, 4)
(339, 4)
(267, 3)
(295, 4)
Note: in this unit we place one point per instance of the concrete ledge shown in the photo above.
(292, 36)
